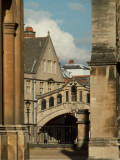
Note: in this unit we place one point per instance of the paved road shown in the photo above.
(56, 154)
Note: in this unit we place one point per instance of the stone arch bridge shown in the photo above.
(72, 99)
(68, 99)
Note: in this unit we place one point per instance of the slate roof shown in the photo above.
(83, 81)
(33, 51)
(66, 74)
(76, 66)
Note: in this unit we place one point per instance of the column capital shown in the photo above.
(10, 28)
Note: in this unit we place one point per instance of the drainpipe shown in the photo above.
(34, 106)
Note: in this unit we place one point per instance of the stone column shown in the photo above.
(103, 82)
(1, 64)
(13, 139)
(9, 73)
(83, 128)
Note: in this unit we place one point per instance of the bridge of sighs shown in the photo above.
(61, 113)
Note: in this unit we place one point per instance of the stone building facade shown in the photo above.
(42, 73)
(13, 140)
(44, 84)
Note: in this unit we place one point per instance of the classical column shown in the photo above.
(9, 73)
(103, 82)
(83, 128)
(13, 139)
(1, 64)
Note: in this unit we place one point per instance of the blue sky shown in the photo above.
(69, 23)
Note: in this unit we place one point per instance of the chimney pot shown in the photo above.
(71, 61)
(29, 33)
(30, 29)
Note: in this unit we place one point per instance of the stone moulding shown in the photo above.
(103, 142)
(10, 28)
(83, 122)
(12, 128)
(102, 48)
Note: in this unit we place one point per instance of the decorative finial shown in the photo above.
(48, 33)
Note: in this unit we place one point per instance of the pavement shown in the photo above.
(38, 153)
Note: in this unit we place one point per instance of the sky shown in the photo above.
(69, 23)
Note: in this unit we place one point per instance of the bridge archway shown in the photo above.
(61, 129)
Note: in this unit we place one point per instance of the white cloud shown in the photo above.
(76, 6)
(64, 42)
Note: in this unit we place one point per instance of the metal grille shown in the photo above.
(57, 134)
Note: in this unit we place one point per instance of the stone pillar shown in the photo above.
(83, 128)
(103, 82)
(9, 73)
(13, 139)
(1, 64)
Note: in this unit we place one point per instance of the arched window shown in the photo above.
(88, 97)
(51, 102)
(59, 99)
(43, 104)
(74, 93)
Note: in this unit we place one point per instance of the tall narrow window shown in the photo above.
(49, 66)
(88, 97)
(59, 99)
(51, 102)
(44, 65)
(80, 96)
(54, 67)
(27, 86)
(43, 104)
(41, 88)
(49, 86)
(58, 85)
(74, 93)
(67, 96)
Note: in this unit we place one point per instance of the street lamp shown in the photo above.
(28, 112)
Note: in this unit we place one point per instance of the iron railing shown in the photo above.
(56, 134)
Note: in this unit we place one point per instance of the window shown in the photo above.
(80, 96)
(44, 65)
(41, 88)
(74, 93)
(58, 85)
(59, 99)
(49, 86)
(51, 102)
(54, 67)
(49, 66)
(27, 86)
(43, 104)
(67, 96)
(88, 97)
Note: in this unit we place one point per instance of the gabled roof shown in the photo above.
(33, 51)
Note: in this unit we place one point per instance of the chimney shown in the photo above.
(71, 61)
(29, 33)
